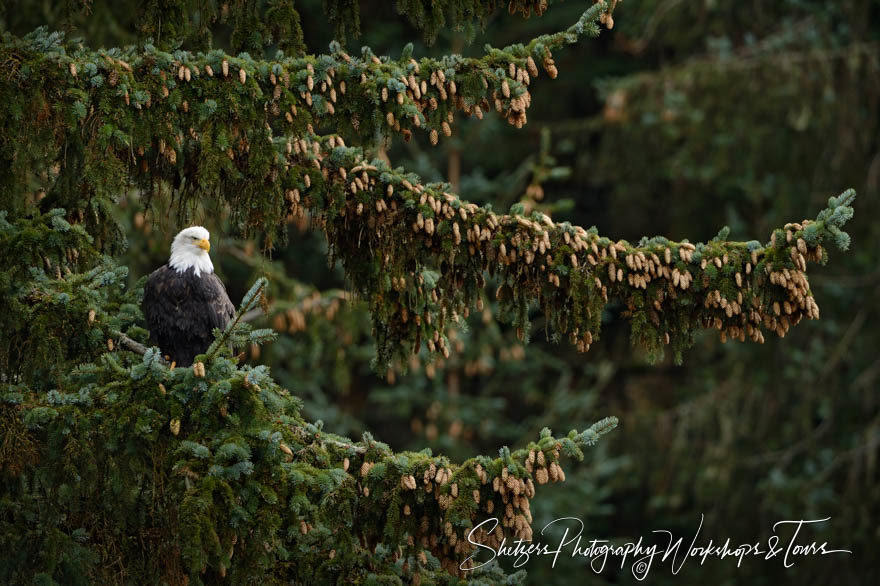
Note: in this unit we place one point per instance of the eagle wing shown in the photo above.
(222, 310)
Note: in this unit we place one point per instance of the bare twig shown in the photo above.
(130, 344)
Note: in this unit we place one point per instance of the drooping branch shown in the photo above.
(416, 252)
(197, 126)
(417, 500)
(467, 15)
(430, 251)
(354, 95)
(259, 24)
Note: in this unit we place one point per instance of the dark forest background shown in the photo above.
(687, 116)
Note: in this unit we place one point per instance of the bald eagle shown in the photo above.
(184, 300)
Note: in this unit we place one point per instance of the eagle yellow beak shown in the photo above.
(204, 244)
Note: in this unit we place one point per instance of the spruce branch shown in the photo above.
(280, 21)
(468, 15)
(416, 252)
(249, 302)
(346, 92)
(438, 502)
(392, 495)
(431, 249)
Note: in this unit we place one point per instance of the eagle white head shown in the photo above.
(189, 249)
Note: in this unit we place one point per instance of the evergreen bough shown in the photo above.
(117, 467)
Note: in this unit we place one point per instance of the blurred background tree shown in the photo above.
(684, 117)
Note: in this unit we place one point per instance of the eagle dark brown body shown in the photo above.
(182, 310)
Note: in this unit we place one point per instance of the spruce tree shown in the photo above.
(117, 466)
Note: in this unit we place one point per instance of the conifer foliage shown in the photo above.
(116, 466)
